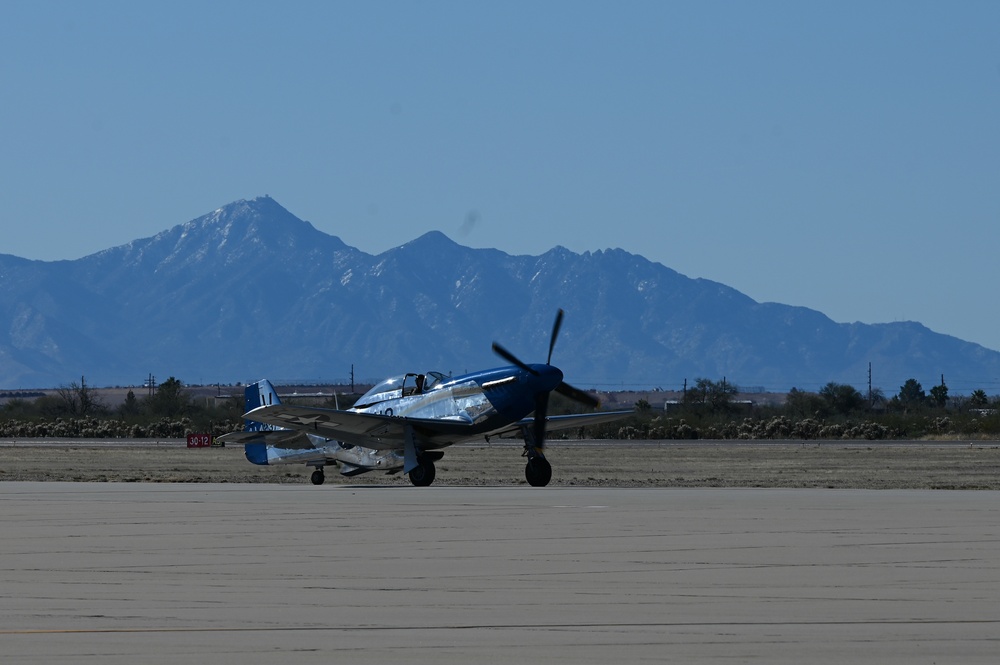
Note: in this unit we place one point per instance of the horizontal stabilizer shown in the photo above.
(280, 438)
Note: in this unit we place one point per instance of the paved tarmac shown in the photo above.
(172, 573)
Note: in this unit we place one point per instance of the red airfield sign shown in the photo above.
(199, 440)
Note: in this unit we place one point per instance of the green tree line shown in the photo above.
(837, 411)
(76, 410)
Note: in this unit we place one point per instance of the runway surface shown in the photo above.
(171, 573)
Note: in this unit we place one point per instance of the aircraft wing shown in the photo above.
(369, 430)
(555, 423)
(379, 432)
(277, 438)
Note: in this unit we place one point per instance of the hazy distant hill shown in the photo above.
(250, 291)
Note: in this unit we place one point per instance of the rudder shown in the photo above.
(256, 395)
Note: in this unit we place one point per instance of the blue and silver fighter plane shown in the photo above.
(404, 422)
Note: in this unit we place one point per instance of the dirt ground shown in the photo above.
(897, 465)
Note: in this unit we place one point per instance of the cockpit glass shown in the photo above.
(387, 389)
(393, 387)
(432, 379)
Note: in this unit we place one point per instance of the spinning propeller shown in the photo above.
(542, 397)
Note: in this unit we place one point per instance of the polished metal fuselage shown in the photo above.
(448, 411)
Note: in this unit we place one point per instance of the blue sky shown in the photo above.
(842, 156)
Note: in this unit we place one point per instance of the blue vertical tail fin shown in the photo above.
(256, 395)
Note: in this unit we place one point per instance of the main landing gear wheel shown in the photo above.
(318, 477)
(423, 475)
(538, 472)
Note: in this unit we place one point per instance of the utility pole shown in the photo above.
(871, 400)
(352, 378)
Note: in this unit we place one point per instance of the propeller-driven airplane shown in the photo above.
(404, 422)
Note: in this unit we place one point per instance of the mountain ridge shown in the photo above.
(250, 290)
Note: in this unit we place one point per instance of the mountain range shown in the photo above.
(251, 291)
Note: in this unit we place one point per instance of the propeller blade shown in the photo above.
(541, 411)
(577, 395)
(555, 333)
(511, 358)
(542, 398)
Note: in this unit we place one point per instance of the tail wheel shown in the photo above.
(423, 475)
(538, 471)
